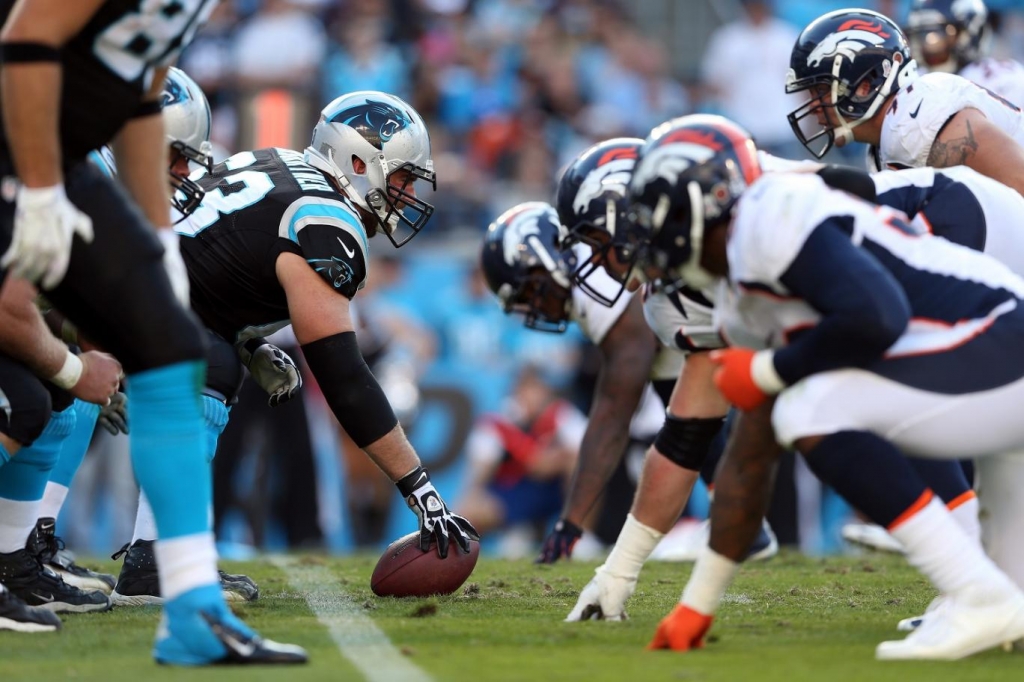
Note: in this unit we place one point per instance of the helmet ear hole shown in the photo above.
(358, 165)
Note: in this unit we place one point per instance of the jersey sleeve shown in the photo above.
(918, 113)
(331, 237)
(683, 320)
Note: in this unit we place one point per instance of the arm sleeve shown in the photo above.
(864, 310)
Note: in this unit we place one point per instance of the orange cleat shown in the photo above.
(681, 630)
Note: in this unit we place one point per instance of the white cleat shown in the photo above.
(914, 622)
(871, 536)
(961, 625)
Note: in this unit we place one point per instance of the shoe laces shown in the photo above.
(121, 552)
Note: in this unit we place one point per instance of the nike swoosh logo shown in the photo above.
(40, 597)
(348, 252)
(243, 649)
(913, 114)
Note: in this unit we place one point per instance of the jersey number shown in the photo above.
(153, 35)
(231, 193)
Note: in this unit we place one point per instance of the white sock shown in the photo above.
(17, 519)
(186, 563)
(937, 546)
(711, 577)
(634, 544)
(145, 522)
(965, 513)
(53, 500)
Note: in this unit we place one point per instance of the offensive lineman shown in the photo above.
(76, 76)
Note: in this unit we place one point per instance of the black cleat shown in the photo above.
(18, 616)
(24, 575)
(139, 585)
(50, 550)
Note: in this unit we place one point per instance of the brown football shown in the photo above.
(404, 571)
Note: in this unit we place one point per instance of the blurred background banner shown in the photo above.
(511, 91)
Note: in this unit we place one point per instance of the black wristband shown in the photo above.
(148, 107)
(414, 479)
(350, 388)
(26, 52)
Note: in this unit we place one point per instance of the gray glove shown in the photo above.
(114, 416)
(272, 369)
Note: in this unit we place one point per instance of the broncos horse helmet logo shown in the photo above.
(376, 121)
(848, 41)
(337, 270)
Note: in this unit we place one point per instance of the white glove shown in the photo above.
(604, 597)
(174, 265)
(45, 220)
(275, 372)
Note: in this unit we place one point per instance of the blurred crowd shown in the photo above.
(511, 91)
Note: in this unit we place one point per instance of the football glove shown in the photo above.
(273, 370)
(114, 416)
(744, 377)
(681, 630)
(436, 522)
(45, 221)
(559, 542)
(174, 265)
(604, 597)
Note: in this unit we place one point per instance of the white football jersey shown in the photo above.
(1005, 77)
(779, 212)
(921, 109)
(683, 320)
(594, 318)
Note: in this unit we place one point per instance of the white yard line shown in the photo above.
(356, 635)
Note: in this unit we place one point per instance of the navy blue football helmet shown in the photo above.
(593, 205)
(689, 175)
(525, 267)
(947, 35)
(848, 62)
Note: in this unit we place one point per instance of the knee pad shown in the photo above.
(686, 441)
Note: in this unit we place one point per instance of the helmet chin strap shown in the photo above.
(691, 272)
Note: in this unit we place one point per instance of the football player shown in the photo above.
(844, 298)
(952, 36)
(282, 237)
(856, 68)
(74, 78)
(524, 265)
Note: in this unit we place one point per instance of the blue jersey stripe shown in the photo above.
(333, 213)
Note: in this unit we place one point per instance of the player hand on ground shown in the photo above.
(604, 598)
(559, 542)
(114, 416)
(437, 523)
(100, 379)
(45, 221)
(275, 372)
(681, 630)
(174, 265)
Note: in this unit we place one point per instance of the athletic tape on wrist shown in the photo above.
(69, 373)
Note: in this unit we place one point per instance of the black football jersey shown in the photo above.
(109, 65)
(258, 205)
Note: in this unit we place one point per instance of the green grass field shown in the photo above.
(790, 619)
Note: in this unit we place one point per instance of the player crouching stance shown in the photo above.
(876, 340)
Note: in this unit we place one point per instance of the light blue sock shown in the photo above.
(168, 443)
(25, 476)
(5, 456)
(215, 416)
(76, 444)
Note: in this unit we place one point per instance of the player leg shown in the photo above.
(138, 582)
(72, 451)
(38, 434)
(844, 444)
(118, 294)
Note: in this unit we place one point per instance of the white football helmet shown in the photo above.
(186, 115)
(387, 135)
